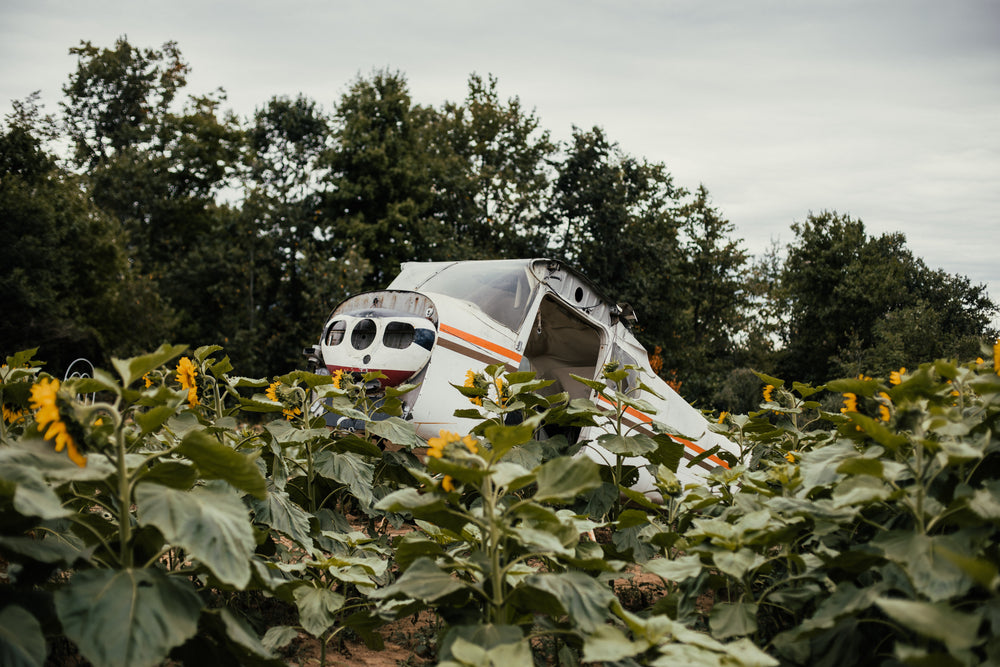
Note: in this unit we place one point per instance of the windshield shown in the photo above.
(502, 289)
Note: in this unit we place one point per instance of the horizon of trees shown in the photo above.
(169, 218)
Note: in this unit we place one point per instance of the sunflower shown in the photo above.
(290, 411)
(767, 393)
(850, 403)
(470, 382)
(186, 374)
(883, 407)
(10, 415)
(43, 400)
(272, 391)
(436, 446)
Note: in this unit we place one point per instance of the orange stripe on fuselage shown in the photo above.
(632, 412)
(481, 342)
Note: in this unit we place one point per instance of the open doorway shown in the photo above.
(563, 342)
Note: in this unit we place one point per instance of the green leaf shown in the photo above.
(860, 490)
(956, 630)
(609, 644)
(132, 369)
(676, 570)
(668, 453)
(22, 643)
(485, 645)
(504, 438)
(582, 597)
(62, 550)
(597, 385)
(127, 618)
(279, 636)
(767, 379)
(280, 513)
(202, 353)
(562, 480)
(501, 655)
(861, 466)
(805, 390)
(351, 442)
(923, 559)
(175, 474)
(348, 469)
(627, 445)
(733, 619)
(151, 420)
(396, 431)
(423, 581)
(413, 546)
(985, 502)
(318, 608)
(737, 563)
(210, 523)
(853, 386)
(877, 430)
(33, 496)
(221, 368)
(43, 462)
(542, 542)
(217, 461)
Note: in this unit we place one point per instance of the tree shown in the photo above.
(711, 276)
(116, 99)
(614, 216)
(865, 304)
(296, 275)
(160, 172)
(380, 198)
(65, 287)
(495, 195)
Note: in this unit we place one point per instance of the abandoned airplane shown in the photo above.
(438, 320)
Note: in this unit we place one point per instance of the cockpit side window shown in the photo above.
(335, 334)
(502, 290)
(363, 334)
(398, 335)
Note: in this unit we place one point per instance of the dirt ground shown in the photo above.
(410, 642)
(407, 642)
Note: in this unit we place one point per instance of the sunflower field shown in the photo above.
(170, 511)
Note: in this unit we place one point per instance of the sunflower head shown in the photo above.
(45, 401)
(436, 446)
(473, 381)
(272, 391)
(186, 374)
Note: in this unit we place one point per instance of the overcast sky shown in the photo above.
(887, 110)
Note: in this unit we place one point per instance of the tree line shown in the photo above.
(137, 215)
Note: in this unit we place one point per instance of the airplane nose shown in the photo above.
(396, 344)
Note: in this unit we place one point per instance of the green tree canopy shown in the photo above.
(380, 196)
(615, 217)
(66, 286)
(495, 197)
(866, 304)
